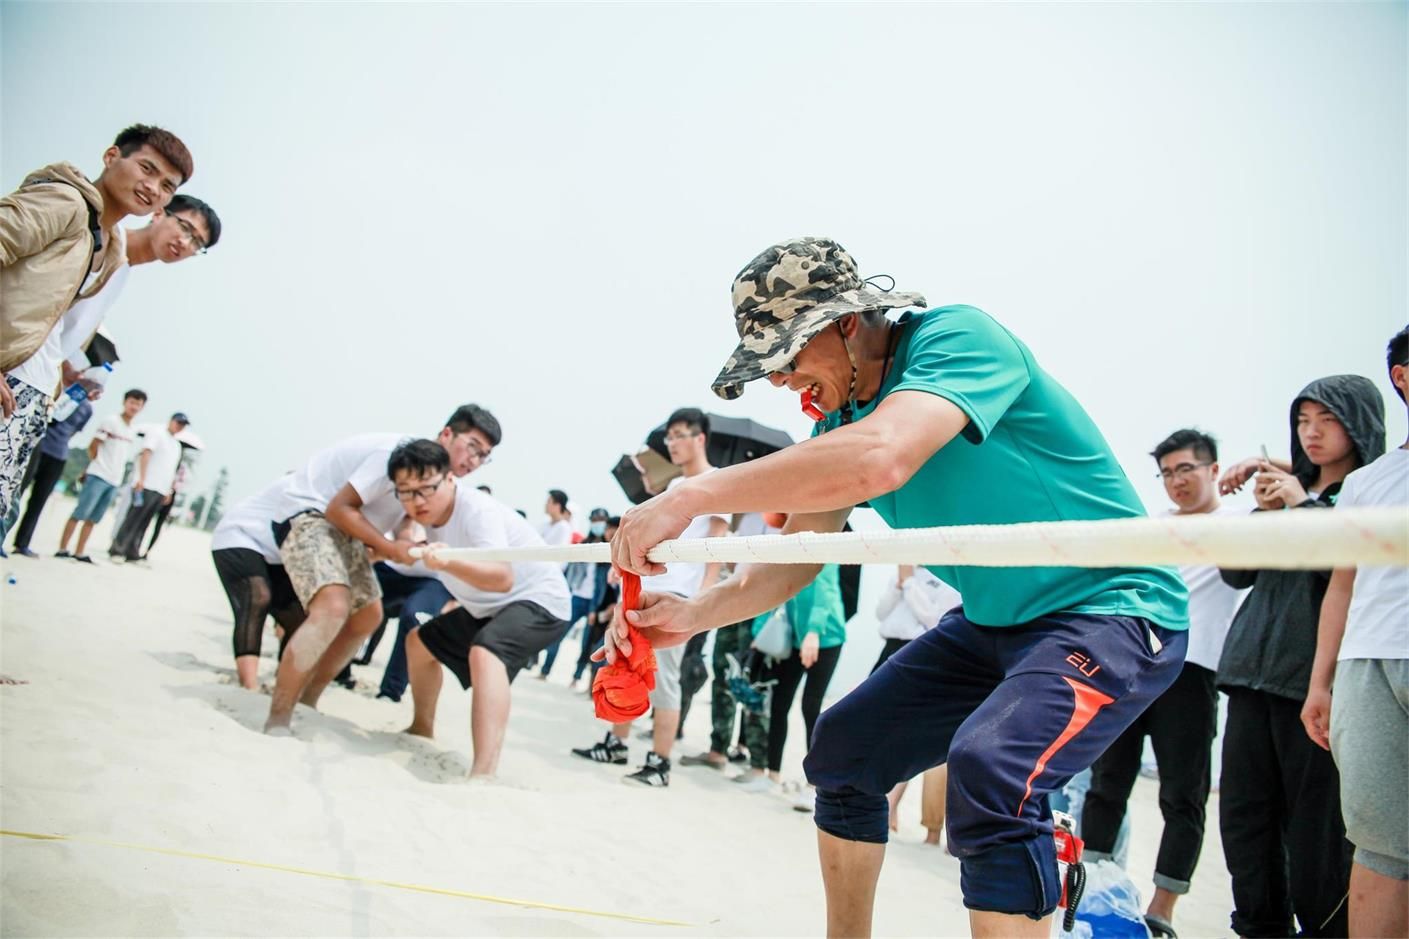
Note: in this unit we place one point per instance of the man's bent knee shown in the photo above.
(1018, 878)
(333, 601)
(852, 815)
(481, 657)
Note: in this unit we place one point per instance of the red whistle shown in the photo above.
(810, 409)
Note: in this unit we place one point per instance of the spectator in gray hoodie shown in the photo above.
(1283, 836)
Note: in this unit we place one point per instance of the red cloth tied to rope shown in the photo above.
(622, 689)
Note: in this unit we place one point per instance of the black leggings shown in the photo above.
(256, 589)
(789, 674)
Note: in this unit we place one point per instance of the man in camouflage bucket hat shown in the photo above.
(785, 297)
(940, 418)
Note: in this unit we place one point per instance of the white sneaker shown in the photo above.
(805, 800)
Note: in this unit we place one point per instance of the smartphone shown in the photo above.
(1265, 457)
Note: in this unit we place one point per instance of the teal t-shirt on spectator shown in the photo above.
(1030, 453)
(816, 608)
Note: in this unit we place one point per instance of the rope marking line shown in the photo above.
(352, 878)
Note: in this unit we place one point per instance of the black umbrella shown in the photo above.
(630, 479)
(732, 440)
(101, 349)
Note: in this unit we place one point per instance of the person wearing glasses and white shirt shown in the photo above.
(337, 505)
(185, 228)
(1181, 723)
(508, 613)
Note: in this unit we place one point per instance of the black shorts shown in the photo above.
(241, 571)
(515, 635)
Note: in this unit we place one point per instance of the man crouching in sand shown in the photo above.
(508, 612)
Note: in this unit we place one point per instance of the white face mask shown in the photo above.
(599, 528)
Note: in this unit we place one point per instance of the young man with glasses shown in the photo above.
(60, 243)
(508, 613)
(687, 440)
(1181, 723)
(185, 227)
(336, 506)
(942, 418)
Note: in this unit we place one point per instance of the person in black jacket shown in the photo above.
(1279, 813)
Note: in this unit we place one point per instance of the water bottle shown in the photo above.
(76, 394)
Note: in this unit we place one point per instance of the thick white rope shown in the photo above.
(1298, 540)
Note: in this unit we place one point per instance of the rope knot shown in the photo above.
(622, 689)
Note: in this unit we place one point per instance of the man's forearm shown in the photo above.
(753, 589)
(800, 478)
(495, 577)
(354, 524)
(1330, 628)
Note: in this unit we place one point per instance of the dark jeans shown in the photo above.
(591, 638)
(47, 471)
(1279, 812)
(580, 608)
(1181, 724)
(789, 673)
(403, 597)
(128, 539)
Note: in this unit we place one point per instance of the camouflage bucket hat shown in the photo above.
(786, 296)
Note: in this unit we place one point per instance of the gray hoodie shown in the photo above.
(1272, 641)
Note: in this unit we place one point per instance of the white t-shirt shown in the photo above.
(161, 465)
(680, 578)
(359, 460)
(1212, 604)
(248, 523)
(478, 521)
(556, 533)
(1378, 624)
(907, 612)
(586, 588)
(115, 439)
(84, 317)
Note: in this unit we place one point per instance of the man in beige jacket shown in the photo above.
(58, 245)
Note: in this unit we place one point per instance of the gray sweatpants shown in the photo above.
(1370, 741)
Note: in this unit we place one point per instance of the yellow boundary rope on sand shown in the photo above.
(352, 878)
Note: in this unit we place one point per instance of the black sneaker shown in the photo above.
(83, 559)
(656, 772)
(609, 749)
(62, 554)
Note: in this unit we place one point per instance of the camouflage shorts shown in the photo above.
(316, 555)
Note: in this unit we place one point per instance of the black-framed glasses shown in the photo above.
(191, 235)
(423, 493)
(1180, 471)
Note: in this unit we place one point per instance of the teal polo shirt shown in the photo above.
(1030, 453)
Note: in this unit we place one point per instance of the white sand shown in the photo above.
(132, 730)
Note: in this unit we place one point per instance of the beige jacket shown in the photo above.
(45, 247)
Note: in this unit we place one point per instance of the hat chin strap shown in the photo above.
(850, 406)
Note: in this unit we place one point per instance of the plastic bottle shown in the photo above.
(76, 394)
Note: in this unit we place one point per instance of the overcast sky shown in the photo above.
(1188, 211)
